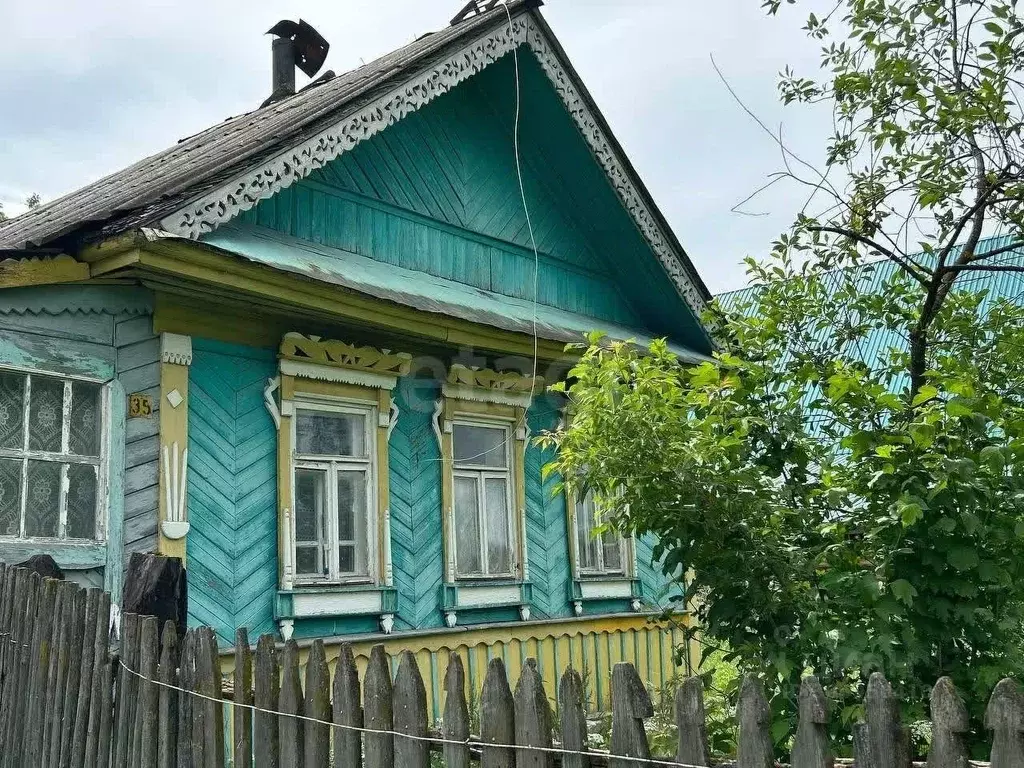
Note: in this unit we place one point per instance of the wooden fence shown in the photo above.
(70, 700)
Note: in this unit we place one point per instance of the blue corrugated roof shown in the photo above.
(875, 275)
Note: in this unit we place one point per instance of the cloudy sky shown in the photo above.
(89, 87)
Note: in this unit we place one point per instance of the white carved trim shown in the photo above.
(387, 623)
(270, 401)
(287, 628)
(636, 605)
(481, 395)
(392, 418)
(435, 422)
(338, 375)
(450, 619)
(389, 572)
(484, 596)
(335, 603)
(577, 607)
(524, 612)
(287, 552)
(175, 349)
(175, 464)
(597, 589)
(224, 203)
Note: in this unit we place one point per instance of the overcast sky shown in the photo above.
(89, 87)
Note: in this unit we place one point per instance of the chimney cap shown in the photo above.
(310, 46)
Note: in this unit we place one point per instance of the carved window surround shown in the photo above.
(482, 396)
(325, 373)
(220, 205)
(175, 359)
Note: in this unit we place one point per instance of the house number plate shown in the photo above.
(139, 406)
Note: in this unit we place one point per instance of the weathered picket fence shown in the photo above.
(70, 700)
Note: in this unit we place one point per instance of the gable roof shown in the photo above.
(207, 179)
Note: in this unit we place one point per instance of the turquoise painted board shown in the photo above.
(438, 192)
(415, 474)
(547, 539)
(232, 490)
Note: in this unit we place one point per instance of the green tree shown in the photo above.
(32, 201)
(846, 482)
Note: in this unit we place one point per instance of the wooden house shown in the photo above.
(302, 351)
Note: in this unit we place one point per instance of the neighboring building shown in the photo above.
(297, 348)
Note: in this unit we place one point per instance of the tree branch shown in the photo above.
(890, 254)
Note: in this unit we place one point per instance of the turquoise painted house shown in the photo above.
(307, 350)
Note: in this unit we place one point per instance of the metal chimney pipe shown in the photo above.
(284, 68)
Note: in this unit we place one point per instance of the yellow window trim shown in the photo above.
(451, 410)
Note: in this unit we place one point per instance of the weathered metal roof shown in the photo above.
(415, 289)
(157, 185)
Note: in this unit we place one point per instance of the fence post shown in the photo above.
(318, 707)
(691, 723)
(267, 746)
(377, 711)
(71, 685)
(455, 724)
(348, 711)
(85, 682)
(862, 757)
(1005, 718)
(890, 746)
(58, 648)
(631, 704)
(190, 714)
(208, 668)
(149, 696)
(949, 724)
(533, 719)
(573, 720)
(811, 747)
(29, 727)
(6, 585)
(167, 741)
(16, 662)
(410, 713)
(241, 714)
(105, 726)
(497, 717)
(290, 703)
(100, 659)
(754, 749)
(124, 717)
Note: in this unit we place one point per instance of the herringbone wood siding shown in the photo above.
(232, 490)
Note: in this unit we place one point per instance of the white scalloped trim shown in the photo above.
(227, 201)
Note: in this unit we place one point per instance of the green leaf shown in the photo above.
(910, 514)
(904, 591)
(923, 434)
(925, 393)
(993, 457)
(962, 558)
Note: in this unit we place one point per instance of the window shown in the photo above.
(600, 554)
(50, 457)
(483, 499)
(333, 489)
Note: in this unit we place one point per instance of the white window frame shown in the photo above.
(481, 474)
(600, 570)
(62, 457)
(332, 465)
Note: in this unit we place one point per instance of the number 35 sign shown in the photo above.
(139, 406)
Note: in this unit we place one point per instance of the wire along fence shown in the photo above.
(68, 699)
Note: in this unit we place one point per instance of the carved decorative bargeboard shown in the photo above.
(227, 201)
(313, 349)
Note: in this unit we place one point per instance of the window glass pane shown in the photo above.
(310, 501)
(499, 549)
(85, 419)
(12, 411)
(10, 498)
(42, 499)
(324, 433)
(307, 561)
(479, 446)
(467, 526)
(586, 546)
(352, 522)
(45, 414)
(612, 543)
(81, 502)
